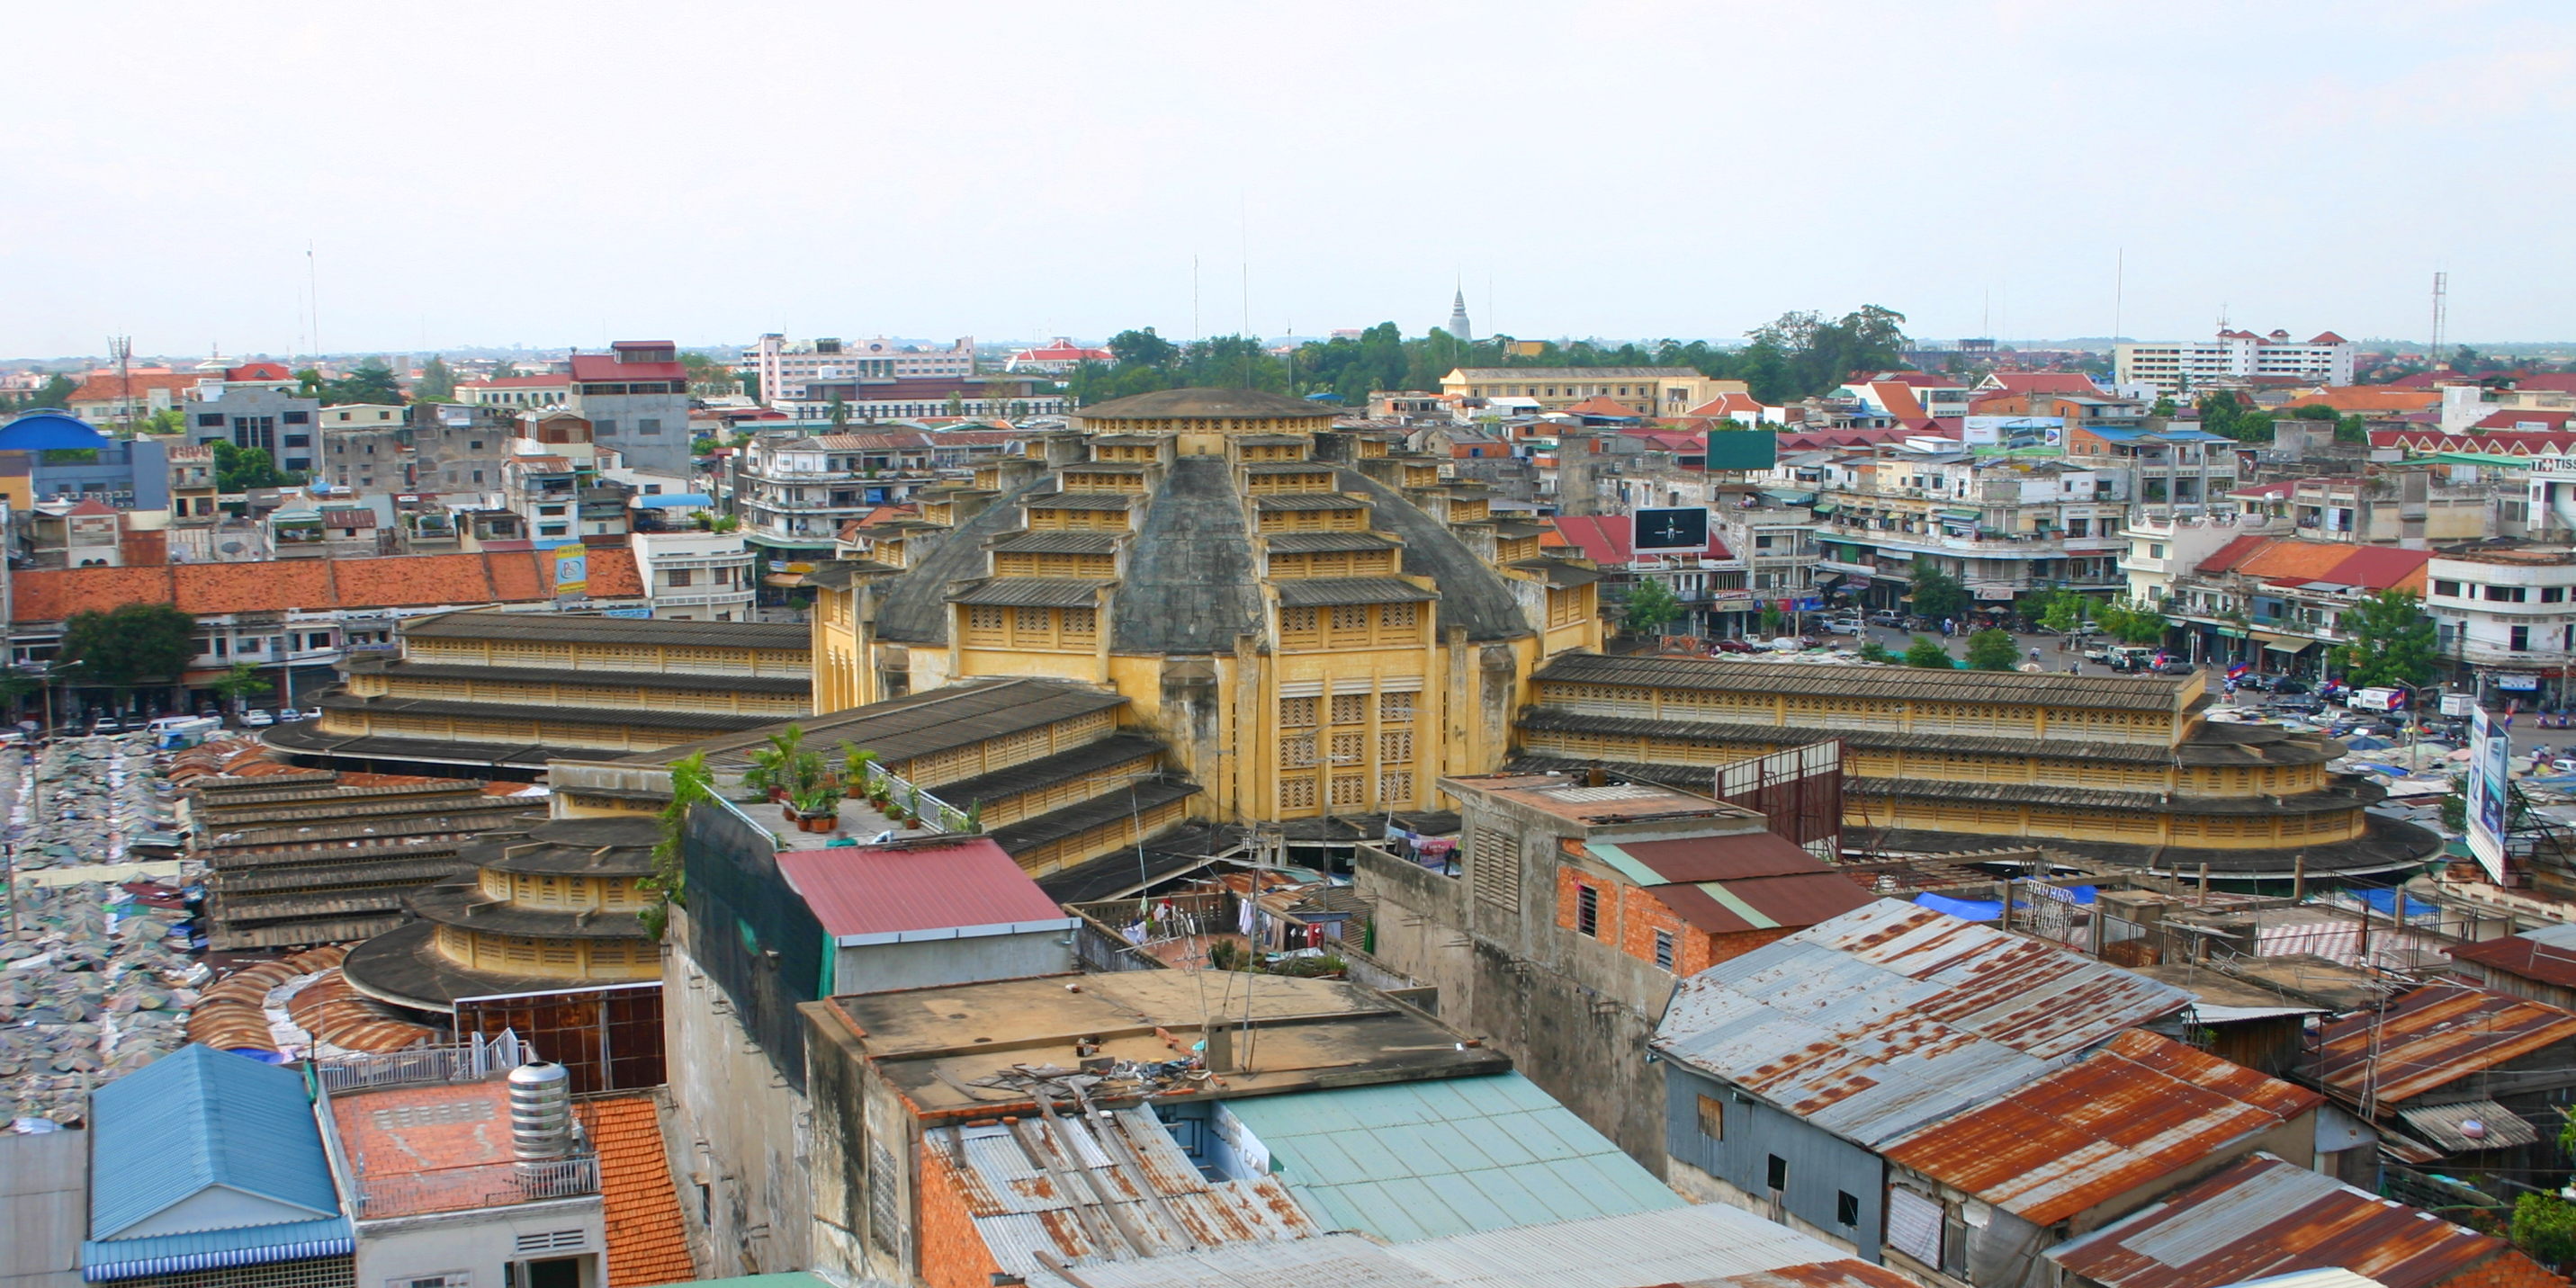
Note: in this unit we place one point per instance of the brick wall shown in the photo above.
(1630, 916)
(953, 1255)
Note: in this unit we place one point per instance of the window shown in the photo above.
(2521, 639)
(2553, 594)
(1846, 1209)
(210, 420)
(1587, 911)
(648, 425)
(1663, 950)
(679, 577)
(2505, 594)
(300, 418)
(2450, 588)
(1712, 1118)
(1775, 1173)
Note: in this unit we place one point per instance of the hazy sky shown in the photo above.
(554, 174)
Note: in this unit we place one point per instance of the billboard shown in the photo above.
(1678, 531)
(2013, 433)
(2489, 750)
(1743, 449)
(572, 572)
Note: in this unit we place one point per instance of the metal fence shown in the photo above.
(468, 1061)
(479, 1185)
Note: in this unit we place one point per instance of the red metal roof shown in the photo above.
(2528, 958)
(1722, 858)
(1794, 901)
(606, 367)
(2502, 442)
(2264, 1217)
(2141, 1108)
(888, 890)
(2526, 419)
(2046, 382)
(2433, 1037)
(1608, 539)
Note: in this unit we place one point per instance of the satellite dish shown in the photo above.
(230, 547)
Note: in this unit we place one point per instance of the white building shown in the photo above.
(2509, 615)
(695, 576)
(784, 367)
(2232, 359)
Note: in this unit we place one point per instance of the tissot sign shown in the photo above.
(1678, 531)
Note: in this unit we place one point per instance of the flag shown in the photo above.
(2237, 672)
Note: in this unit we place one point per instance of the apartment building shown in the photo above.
(636, 398)
(2278, 602)
(695, 576)
(2507, 617)
(786, 367)
(874, 398)
(2232, 359)
(2003, 526)
(793, 492)
(257, 411)
(1649, 391)
(517, 392)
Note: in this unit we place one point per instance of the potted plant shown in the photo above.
(855, 765)
(818, 809)
(908, 810)
(773, 767)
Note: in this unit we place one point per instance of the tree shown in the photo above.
(168, 420)
(308, 383)
(371, 382)
(1926, 651)
(1873, 651)
(56, 392)
(1937, 593)
(1143, 349)
(838, 414)
(1650, 606)
(2391, 642)
(504, 369)
(239, 469)
(2131, 625)
(2225, 413)
(692, 783)
(708, 377)
(130, 643)
(956, 403)
(437, 381)
(2164, 407)
(1992, 650)
(2544, 1225)
(2062, 610)
(240, 684)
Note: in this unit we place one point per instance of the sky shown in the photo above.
(553, 174)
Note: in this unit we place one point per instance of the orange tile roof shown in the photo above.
(2291, 560)
(107, 388)
(401, 581)
(642, 1211)
(2360, 399)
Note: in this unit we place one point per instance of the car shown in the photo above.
(1887, 617)
(2300, 706)
(1732, 646)
(2087, 628)
(1842, 626)
(2254, 683)
(2289, 686)
(2175, 668)
(258, 718)
(108, 724)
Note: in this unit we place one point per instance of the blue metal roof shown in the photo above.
(668, 500)
(1424, 1160)
(251, 1245)
(199, 1118)
(48, 430)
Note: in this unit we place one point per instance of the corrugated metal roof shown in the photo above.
(1030, 592)
(2446, 1126)
(891, 890)
(1763, 903)
(1350, 590)
(2102, 692)
(44, 1195)
(2264, 1216)
(916, 724)
(1424, 1160)
(1703, 1245)
(1300, 543)
(251, 1245)
(1099, 1190)
(565, 628)
(2430, 1038)
(199, 1118)
(2142, 1107)
(1731, 857)
(1890, 1017)
(1044, 541)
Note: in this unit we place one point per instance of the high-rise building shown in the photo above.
(2233, 359)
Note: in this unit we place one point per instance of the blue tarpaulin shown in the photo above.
(1963, 909)
(2382, 901)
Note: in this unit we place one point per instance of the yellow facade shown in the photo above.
(1369, 666)
(1653, 391)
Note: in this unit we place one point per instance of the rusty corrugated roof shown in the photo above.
(2143, 1107)
(1115, 1187)
(2264, 1217)
(1891, 1017)
(2431, 1038)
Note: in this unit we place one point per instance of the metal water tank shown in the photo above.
(540, 1111)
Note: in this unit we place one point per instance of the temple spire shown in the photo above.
(1458, 325)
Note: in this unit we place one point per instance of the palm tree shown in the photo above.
(773, 768)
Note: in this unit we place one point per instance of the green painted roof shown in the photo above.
(1425, 1160)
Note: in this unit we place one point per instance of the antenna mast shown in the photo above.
(121, 348)
(2441, 308)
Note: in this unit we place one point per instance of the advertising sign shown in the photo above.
(1678, 531)
(2013, 433)
(572, 572)
(2488, 754)
(1743, 449)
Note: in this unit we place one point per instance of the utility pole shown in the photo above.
(121, 349)
(2441, 310)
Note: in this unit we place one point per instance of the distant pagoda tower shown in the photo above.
(1458, 325)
